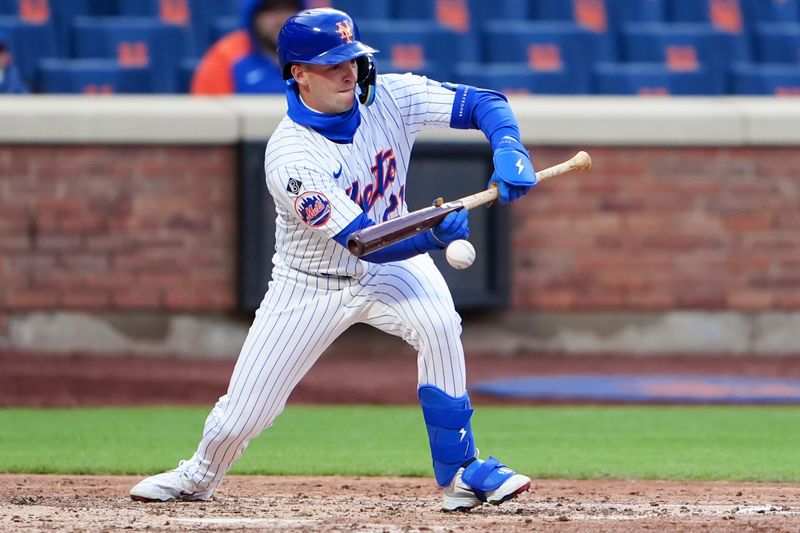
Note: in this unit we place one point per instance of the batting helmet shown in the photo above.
(326, 36)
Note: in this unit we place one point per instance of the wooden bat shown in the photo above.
(373, 238)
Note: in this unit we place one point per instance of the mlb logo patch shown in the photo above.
(314, 208)
(294, 186)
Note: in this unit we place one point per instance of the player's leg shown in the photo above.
(410, 299)
(292, 328)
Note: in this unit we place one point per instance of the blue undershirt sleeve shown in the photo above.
(416, 245)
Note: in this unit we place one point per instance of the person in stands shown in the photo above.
(10, 79)
(246, 60)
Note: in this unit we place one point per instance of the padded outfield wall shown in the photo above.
(120, 218)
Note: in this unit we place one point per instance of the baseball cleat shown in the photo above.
(461, 496)
(169, 487)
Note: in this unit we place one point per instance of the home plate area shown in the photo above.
(95, 503)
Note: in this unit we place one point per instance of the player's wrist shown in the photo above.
(437, 241)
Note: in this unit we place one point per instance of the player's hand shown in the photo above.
(513, 170)
(455, 226)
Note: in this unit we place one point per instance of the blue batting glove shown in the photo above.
(513, 170)
(454, 226)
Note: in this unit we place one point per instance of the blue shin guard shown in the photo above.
(449, 431)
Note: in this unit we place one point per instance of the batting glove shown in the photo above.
(454, 226)
(513, 170)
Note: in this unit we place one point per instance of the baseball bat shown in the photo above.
(373, 238)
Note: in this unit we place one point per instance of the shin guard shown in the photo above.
(449, 431)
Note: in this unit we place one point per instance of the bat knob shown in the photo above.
(438, 202)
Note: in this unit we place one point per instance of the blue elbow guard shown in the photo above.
(485, 110)
(449, 431)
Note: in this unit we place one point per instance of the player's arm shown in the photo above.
(454, 226)
(311, 197)
(488, 111)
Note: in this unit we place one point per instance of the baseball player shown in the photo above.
(335, 164)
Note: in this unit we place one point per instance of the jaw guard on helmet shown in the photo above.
(327, 36)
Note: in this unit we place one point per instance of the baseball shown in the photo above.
(460, 254)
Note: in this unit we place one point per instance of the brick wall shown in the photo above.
(663, 228)
(99, 227)
(651, 229)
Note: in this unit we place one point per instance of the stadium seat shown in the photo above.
(723, 15)
(758, 11)
(648, 79)
(686, 47)
(622, 11)
(185, 74)
(779, 80)
(385, 66)
(65, 12)
(192, 16)
(103, 8)
(92, 76)
(411, 46)
(134, 42)
(548, 46)
(778, 43)
(29, 43)
(358, 9)
(511, 78)
(464, 15)
(591, 15)
(223, 26)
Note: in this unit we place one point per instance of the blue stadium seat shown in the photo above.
(223, 26)
(778, 43)
(510, 78)
(134, 42)
(419, 45)
(780, 80)
(358, 9)
(464, 15)
(548, 46)
(591, 15)
(650, 79)
(92, 76)
(686, 47)
(65, 12)
(428, 70)
(192, 16)
(185, 74)
(758, 11)
(224, 8)
(723, 15)
(622, 11)
(29, 43)
(104, 8)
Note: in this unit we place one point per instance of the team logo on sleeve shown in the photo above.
(314, 208)
(294, 186)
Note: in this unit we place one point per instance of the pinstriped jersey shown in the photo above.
(319, 186)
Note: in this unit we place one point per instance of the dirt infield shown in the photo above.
(83, 503)
(38, 380)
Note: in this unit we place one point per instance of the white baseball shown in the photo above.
(460, 254)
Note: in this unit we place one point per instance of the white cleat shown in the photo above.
(169, 487)
(458, 496)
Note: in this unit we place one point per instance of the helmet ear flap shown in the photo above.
(366, 79)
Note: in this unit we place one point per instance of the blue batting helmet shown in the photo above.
(326, 36)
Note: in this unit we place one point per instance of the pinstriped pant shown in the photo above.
(296, 323)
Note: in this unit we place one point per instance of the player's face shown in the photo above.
(328, 88)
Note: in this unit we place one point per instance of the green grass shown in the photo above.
(734, 443)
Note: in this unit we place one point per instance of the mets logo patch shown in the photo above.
(314, 208)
